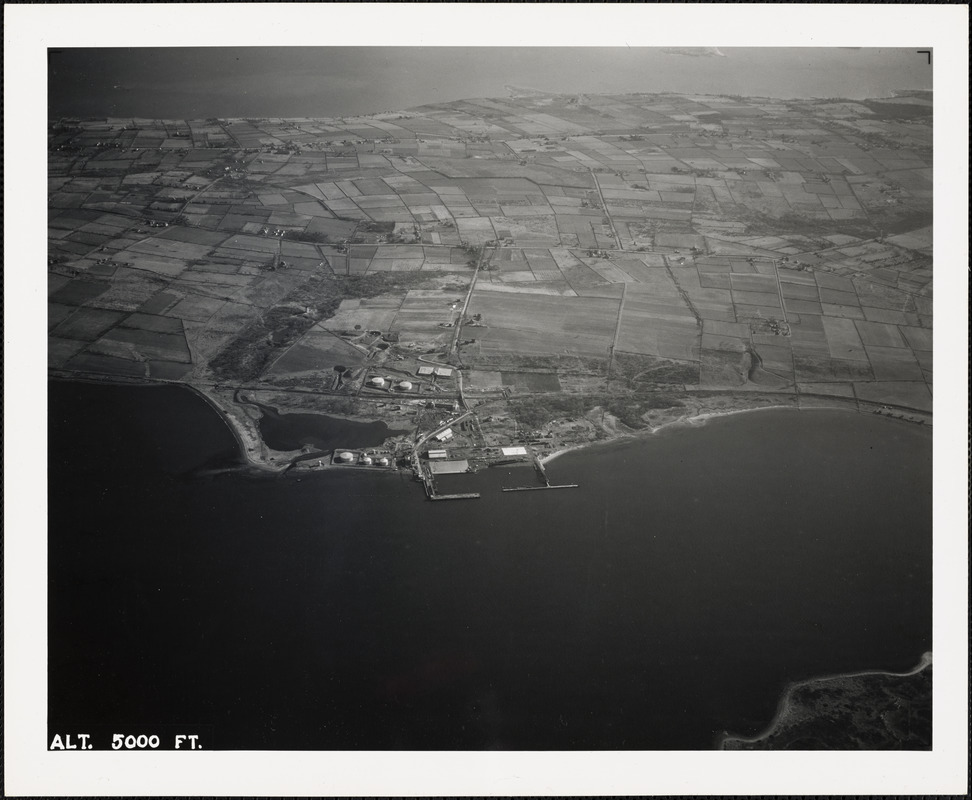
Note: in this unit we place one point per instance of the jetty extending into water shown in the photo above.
(425, 474)
(538, 488)
(461, 496)
(542, 472)
(432, 493)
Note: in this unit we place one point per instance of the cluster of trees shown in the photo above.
(639, 370)
(310, 236)
(377, 227)
(254, 348)
(533, 412)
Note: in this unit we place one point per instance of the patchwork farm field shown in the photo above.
(728, 243)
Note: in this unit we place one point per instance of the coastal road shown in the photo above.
(604, 208)
(465, 305)
(617, 335)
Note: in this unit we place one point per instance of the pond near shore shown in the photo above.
(293, 431)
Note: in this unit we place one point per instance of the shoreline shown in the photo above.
(255, 453)
(246, 440)
(690, 420)
(272, 462)
(784, 704)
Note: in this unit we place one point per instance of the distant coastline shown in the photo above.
(698, 419)
(174, 91)
(785, 711)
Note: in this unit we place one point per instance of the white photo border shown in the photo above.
(31, 770)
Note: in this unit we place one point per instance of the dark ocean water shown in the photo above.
(198, 83)
(670, 597)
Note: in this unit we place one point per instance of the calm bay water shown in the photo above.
(670, 597)
(198, 83)
(291, 431)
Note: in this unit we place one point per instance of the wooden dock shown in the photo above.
(465, 496)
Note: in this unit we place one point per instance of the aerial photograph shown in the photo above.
(489, 398)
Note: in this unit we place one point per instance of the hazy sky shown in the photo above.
(337, 81)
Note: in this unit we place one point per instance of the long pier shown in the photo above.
(541, 469)
(542, 472)
(538, 488)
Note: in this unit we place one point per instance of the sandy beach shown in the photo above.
(242, 418)
(687, 420)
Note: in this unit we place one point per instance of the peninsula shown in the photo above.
(501, 278)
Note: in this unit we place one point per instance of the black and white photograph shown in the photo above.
(435, 409)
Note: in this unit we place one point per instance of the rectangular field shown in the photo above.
(319, 350)
(87, 324)
(423, 311)
(139, 345)
(538, 323)
(371, 313)
(656, 321)
(843, 339)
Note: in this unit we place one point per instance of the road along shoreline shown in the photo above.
(700, 418)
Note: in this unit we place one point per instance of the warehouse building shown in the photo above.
(449, 467)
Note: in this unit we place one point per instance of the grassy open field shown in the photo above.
(537, 323)
(319, 350)
(374, 313)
